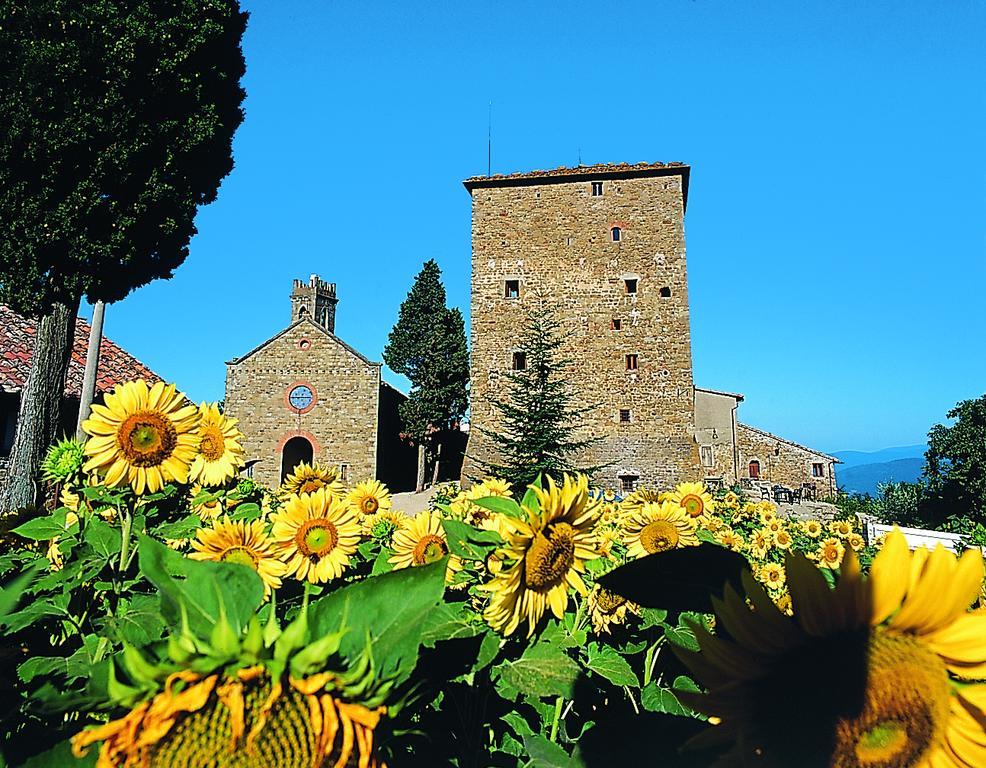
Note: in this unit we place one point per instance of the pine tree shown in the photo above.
(118, 120)
(428, 345)
(539, 423)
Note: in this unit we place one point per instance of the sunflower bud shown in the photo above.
(253, 642)
(139, 669)
(223, 638)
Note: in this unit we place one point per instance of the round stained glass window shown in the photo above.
(301, 397)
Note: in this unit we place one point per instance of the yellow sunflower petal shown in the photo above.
(888, 576)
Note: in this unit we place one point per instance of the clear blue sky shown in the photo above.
(836, 226)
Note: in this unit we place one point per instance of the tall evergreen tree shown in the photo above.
(118, 119)
(428, 345)
(539, 424)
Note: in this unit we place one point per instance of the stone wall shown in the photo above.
(555, 238)
(341, 425)
(783, 462)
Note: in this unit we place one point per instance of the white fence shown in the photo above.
(918, 537)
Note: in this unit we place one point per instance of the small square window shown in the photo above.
(665, 293)
(631, 284)
(519, 361)
(615, 324)
(632, 362)
(597, 189)
(511, 289)
(706, 451)
(818, 470)
(624, 415)
(628, 483)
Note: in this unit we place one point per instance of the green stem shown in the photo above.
(554, 723)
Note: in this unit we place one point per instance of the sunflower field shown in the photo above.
(170, 612)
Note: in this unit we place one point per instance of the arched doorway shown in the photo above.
(754, 470)
(296, 450)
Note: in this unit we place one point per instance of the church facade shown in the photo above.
(304, 395)
(604, 245)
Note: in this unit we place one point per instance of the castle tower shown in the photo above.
(316, 300)
(606, 245)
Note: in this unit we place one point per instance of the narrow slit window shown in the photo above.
(616, 324)
(624, 415)
(597, 189)
(344, 472)
(630, 284)
(511, 289)
(616, 232)
(632, 362)
(519, 361)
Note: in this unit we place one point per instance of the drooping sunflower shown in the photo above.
(315, 534)
(370, 497)
(607, 609)
(421, 542)
(209, 505)
(812, 528)
(694, 498)
(544, 555)
(220, 454)
(897, 649)
(658, 528)
(307, 478)
(141, 435)
(243, 542)
(830, 553)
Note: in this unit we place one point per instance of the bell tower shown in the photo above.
(316, 300)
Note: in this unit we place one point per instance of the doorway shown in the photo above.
(296, 450)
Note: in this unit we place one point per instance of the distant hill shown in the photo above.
(864, 478)
(858, 458)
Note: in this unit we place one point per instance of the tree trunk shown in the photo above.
(92, 366)
(438, 461)
(420, 482)
(37, 418)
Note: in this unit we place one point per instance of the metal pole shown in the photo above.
(92, 365)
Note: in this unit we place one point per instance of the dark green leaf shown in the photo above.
(448, 622)
(104, 539)
(469, 542)
(542, 670)
(655, 698)
(678, 580)
(183, 529)
(42, 528)
(10, 594)
(607, 663)
(60, 756)
(138, 621)
(546, 754)
(500, 504)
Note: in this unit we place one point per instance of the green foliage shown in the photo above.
(955, 466)
(538, 428)
(428, 345)
(118, 124)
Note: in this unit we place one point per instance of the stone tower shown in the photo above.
(606, 245)
(315, 300)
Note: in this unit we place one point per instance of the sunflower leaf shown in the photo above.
(500, 504)
(469, 542)
(543, 670)
(680, 579)
(607, 663)
(43, 528)
(547, 754)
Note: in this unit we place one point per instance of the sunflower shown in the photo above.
(220, 455)
(694, 498)
(209, 505)
(775, 526)
(63, 460)
(315, 533)
(855, 541)
(544, 555)
(241, 720)
(783, 539)
(494, 486)
(830, 553)
(729, 538)
(840, 528)
(896, 649)
(383, 525)
(369, 497)
(772, 574)
(636, 499)
(307, 478)
(658, 528)
(607, 608)
(421, 542)
(812, 528)
(761, 542)
(767, 512)
(730, 500)
(711, 523)
(608, 537)
(240, 542)
(142, 436)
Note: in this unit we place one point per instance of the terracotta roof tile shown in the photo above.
(17, 344)
(581, 170)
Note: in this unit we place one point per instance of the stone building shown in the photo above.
(605, 245)
(304, 394)
(17, 334)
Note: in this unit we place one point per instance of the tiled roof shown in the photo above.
(734, 395)
(17, 345)
(603, 169)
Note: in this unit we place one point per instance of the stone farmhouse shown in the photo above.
(17, 334)
(304, 394)
(605, 244)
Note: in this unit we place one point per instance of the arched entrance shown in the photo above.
(754, 470)
(295, 451)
